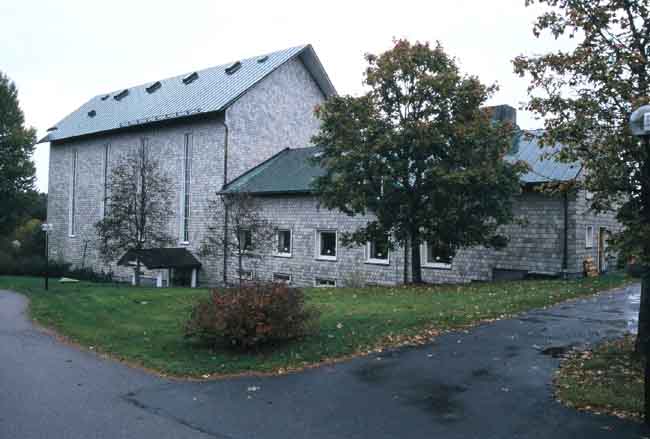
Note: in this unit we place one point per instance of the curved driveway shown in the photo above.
(490, 382)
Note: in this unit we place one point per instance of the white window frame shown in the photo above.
(424, 259)
(589, 240)
(318, 247)
(318, 284)
(242, 242)
(72, 223)
(288, 282)
(277, 242)
(371, 260)
(245, 274)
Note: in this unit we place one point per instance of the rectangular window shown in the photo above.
(327, 245)
(436, 256)
(107, 153)
(141, 185)
(377, 251)
(246, 240)
(73, 195)
(246, 274)
(282, 278)
(284, 243)
(327, 283)
(589, 237)
(187, 177)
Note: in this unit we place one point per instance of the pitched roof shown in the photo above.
(543, 167)
(290, 171)
(156, 258)
(212, 90)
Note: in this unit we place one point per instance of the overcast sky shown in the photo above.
(61, 53)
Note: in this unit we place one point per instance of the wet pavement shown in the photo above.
(491, 382)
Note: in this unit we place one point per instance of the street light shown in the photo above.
(640, 127)
(47, 228)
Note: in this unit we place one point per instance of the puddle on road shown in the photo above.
(441, 399)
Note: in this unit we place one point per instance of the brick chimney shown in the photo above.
(504, 113)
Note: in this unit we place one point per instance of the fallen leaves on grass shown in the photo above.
(606, 379)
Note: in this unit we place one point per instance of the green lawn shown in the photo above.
(608, 379)
(144, 325)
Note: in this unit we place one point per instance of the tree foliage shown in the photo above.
(419, 153)
(586, 96)
(238, 229)
(138, 208)
(17, 172)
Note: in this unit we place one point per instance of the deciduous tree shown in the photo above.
(17, 172)
(237, 229)
(419, 153)
(138, 208)
(586, 96)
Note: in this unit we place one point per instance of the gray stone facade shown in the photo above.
(275, 114)
(536, 244)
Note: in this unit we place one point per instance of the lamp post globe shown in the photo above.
(640, 121)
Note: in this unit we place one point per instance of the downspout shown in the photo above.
(225, 205)
(565, 253)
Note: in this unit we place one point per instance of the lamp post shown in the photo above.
(47, 228)
(640, 127)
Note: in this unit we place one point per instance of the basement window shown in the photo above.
(153, 87)
(245, 274)
(121, 95)
(190, 78)
(324, 283)
(233, 68)
(282, 278)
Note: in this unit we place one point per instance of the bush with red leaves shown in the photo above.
(251, 315)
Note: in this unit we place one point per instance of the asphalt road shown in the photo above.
(490, 382)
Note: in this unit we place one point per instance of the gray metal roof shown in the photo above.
(212, 91)
(155, 258)
(291, 171)
(543, 167)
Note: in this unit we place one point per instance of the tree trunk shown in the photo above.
(240, 265)
(137, 272)
(642, 346)
(416, 269)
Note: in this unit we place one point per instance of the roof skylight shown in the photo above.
(153, 87)
(262, 59)
(232, 68)
(190, 78)
(121, 95)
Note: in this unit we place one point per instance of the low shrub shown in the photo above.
(251, 315)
